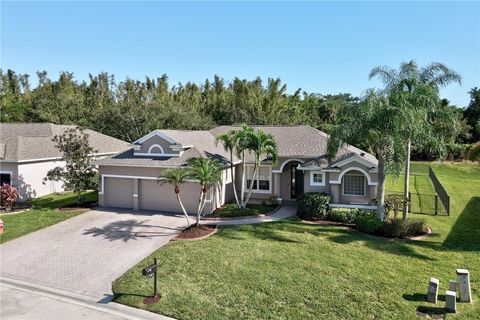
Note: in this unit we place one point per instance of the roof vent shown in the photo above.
(362, 154)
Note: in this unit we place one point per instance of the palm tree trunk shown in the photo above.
(242, 185)
(233, 179)
(204, 202)
(183, 208)
(200, 201)
(406, 185)
(381, 187)
(250, 188)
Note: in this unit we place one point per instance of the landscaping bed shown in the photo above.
(196, 232)
(231, 210)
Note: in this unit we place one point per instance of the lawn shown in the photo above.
(288, 270)
(231, 210)
(42, 215)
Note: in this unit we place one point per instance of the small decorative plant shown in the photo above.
(8, 196)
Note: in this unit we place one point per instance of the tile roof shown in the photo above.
(292, 142)
(29, 141)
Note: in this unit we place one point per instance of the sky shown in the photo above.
(322, 47)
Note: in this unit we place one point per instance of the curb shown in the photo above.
(89, 302)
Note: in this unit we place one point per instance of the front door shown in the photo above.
(296, 184)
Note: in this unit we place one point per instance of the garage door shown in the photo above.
(160, 197)
(118, 192)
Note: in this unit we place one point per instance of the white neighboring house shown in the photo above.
(27, 153)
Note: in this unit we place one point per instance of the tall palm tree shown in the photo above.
(208, 173)
(375, 121)
(176, 177)
(407, 78)
(229, 142)
(260, 144)
(242, 146)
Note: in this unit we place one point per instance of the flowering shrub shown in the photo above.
(8, 196)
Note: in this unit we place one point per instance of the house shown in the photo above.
(27, 153)
(129, 179)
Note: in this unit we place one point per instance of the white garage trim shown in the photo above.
(132, 177)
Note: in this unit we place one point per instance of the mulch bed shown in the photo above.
(86, 205)
(196, 232)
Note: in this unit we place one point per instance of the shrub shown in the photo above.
(403, 229)
(8, 196)
(368, 224)
(343, 215)
(313, 206)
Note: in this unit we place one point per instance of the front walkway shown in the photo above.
(285, 211)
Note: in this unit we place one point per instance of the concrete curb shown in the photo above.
(112, 308)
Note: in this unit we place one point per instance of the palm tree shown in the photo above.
(375, 121)
(242, 146)
(229, 142)
(207, 172)
(407, 78)
(176, 177)
(260, 144)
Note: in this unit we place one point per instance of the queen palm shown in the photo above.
(229, 142)
(408, 78)
(242, 146)
(375, 121)
(261, 144)
(176, 177)
(207, 172)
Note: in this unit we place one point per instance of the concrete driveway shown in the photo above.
(86, 253)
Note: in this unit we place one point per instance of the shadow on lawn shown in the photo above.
(465, 234)
(129, 230)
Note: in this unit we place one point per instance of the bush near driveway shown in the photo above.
(231, 210)
(43, 214)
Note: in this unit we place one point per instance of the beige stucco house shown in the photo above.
(27, 153)
(129, 179)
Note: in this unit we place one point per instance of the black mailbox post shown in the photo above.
(147, 272)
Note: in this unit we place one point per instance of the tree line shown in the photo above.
(130, 108)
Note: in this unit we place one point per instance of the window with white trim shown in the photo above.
(5, 178)
(354, 184)
(317, 178)
(262, 181)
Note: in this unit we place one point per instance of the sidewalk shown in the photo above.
(285, 211)
(22, 300)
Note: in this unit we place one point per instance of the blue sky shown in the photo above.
(323, 47)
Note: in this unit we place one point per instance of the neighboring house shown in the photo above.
(27, 153)
(129, 179)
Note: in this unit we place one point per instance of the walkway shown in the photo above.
(285, 211)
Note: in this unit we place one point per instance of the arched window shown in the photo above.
(354, 184)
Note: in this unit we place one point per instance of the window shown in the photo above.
(5, 178)
(354, 184)
(262, 181)
(317, 178)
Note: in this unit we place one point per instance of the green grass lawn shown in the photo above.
(288, 270)
(42, 215)
(420, 182)
(230, 210)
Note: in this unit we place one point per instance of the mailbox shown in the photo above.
(150, 270)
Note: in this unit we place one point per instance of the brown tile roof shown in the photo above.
(28, 141)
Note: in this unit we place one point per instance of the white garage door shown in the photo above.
(118, 192)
